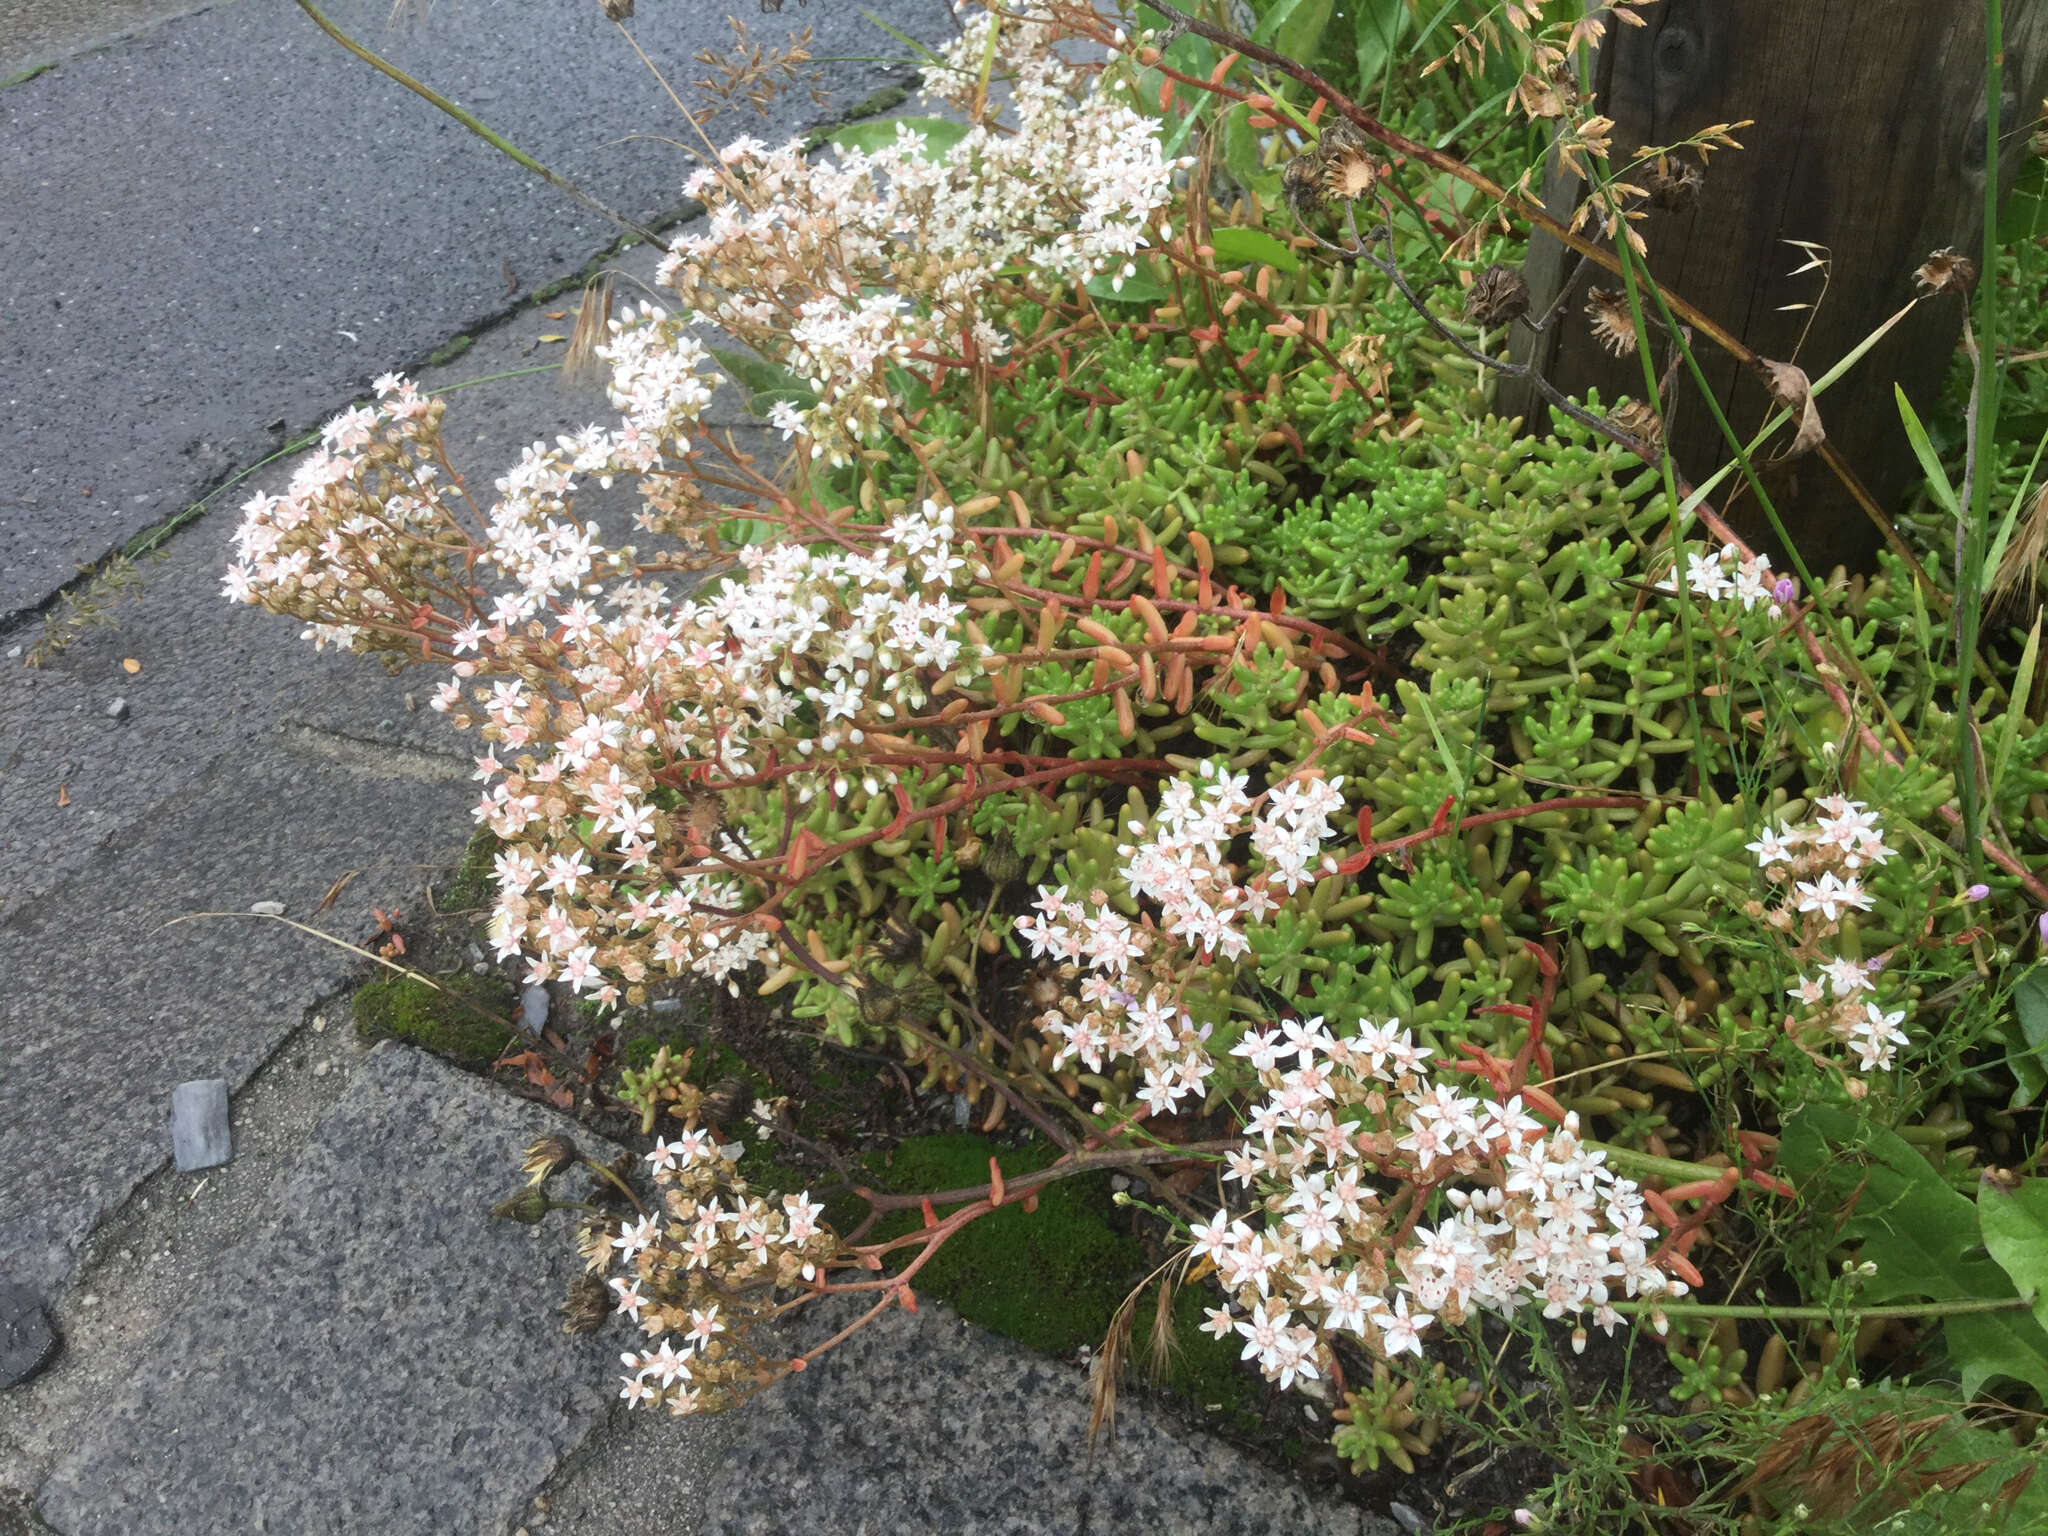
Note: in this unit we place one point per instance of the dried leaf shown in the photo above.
(63, 795)
(130, 665)
(1791, 388)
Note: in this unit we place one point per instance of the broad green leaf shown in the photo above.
(764, 382)
(1295, 28)
(1377, 28)
(1144, 288)
(1923, 450)
(2014, 1220)
(2027, 1035)
(1235, 247)
(1923, 1236)
(938, 134)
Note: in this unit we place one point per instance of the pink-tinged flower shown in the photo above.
(1977, 893)
(1830, 895)
(1402, 1332)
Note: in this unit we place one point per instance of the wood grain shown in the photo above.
(1867, 139)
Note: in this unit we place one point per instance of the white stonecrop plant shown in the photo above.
(1350, 1136)
(843, 269)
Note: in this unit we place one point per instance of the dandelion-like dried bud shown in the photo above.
(726, 1105)
(1674, 186)
(1349, 168)
(1302, 182)
(529, 1207)
(1948, 270)
(1497, 295)
(548, 1157)
(616, 10)
(1000, 860)
(1639, 421)
(589, 1304)
(1613, 327)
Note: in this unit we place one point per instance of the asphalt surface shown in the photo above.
(220, 230)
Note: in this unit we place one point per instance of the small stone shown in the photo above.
(27, 1341)
(267, 908)
(962, 1108)
(118, 710)
(480, 968)
(13, 651)
(319, 1022)
(1118, 1182)
(411, 704)
(199, 1124)
(322, 1068)
(385, 725)
(1408, 1519)
(89, 1299)
(475, 954)
(668, 1005)
(533, 1008)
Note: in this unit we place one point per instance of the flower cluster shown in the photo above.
(1725, 573)
(701, 1268)
(846, 268)
(1819, 867)
(1530, 1215)
(800, 660)
(1178, 864)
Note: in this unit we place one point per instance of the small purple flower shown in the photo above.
(1785, 590)
(2043, 926)
(1979, 892)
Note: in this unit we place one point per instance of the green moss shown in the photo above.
(1052, 1278)
(474, 885)
(26, 75)
(450, 1022)
(887, 99)
(448, 351)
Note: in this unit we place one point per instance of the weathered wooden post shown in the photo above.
(1868, 140)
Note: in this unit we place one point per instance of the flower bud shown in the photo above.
(529, 1207)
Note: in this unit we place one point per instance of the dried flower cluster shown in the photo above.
(700, 1270)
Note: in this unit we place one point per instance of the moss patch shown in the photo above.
(474, 886)
(448, 351)
(447, 1022)
(1052, 1278)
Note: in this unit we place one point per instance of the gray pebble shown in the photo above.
(962, 1108)
(668, 1005)
(533, 1008)
(267, 908)
(27, 1341)
(1409, 1520)
(118, 710)
(199, 1124)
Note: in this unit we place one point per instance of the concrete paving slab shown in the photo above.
(926, 1425)
(226, 221)
(381, 1358)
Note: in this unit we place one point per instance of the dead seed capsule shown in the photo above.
(548, 1157)
(1948, 270)
(589, 1304)
(1674, 185)
(1498, 295)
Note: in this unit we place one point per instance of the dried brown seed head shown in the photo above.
(1350, 174)
(1639, 421)
(1302, 182)
(1948, 270)
(589, 1304)
(548, 1157)
(1613, 326)
(1674, 185)
(1497, 295)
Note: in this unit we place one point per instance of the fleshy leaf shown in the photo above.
(2013, 1213)
(1235, 247)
